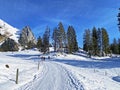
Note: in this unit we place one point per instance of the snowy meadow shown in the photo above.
(84, 73)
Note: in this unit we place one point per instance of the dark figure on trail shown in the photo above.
(43, 58)
(48, 57)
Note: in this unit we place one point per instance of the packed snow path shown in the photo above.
(53, 77)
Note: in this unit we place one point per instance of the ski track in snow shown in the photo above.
(53, 77)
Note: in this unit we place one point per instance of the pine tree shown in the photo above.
(39, 43)
(72, 41)
(99, 40)
(87, 44)
(105, 41)
(55, 37)
(95, 41)
(62, 36)
(119, 45)
(59, 38)
(114, 47)
(119, 19)
(46, 36)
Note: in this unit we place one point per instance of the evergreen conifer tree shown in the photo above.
(119, 19)
(119, 45)
(87, 44)
(45, 43)
(39, 43)
(72, 41)
(114, 47)
(62, 36)
(105, 41)
(55, 37)
(99, 40)
(95, 41)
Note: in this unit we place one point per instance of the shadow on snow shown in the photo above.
(101, 64)
(26, 56)
(92, 63)
(117, 78)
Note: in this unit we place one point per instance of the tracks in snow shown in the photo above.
(53, 77)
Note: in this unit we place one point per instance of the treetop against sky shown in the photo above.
(81, 14)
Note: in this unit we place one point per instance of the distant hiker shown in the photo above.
(38, 55)
(48, 57)
(43, 58)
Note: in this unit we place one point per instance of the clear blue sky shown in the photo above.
(82, 14)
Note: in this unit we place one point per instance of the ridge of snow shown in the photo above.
(11, 32)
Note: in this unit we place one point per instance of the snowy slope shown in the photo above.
(8, 30)
(27, 69)
(61, 72)
(95, 74)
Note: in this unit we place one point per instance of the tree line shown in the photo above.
(62, 41)
(96, 42)
(115, 46)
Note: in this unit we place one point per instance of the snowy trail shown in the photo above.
(53, 77)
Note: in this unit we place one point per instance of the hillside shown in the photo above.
(8, 30)
(2, 38)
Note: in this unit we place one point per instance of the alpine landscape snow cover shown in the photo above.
(61, 71)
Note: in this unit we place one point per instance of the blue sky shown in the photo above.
(81, 14)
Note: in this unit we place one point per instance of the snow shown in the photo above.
(27, 69)
(60, 72)
(9, 30)
(53, 79)
(95, 74)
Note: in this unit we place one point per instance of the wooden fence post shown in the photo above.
(17, 72)
(38, 64)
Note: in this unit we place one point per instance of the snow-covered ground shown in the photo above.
(27, 69)
(8, 30)
(95, 74)
(61, 72)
